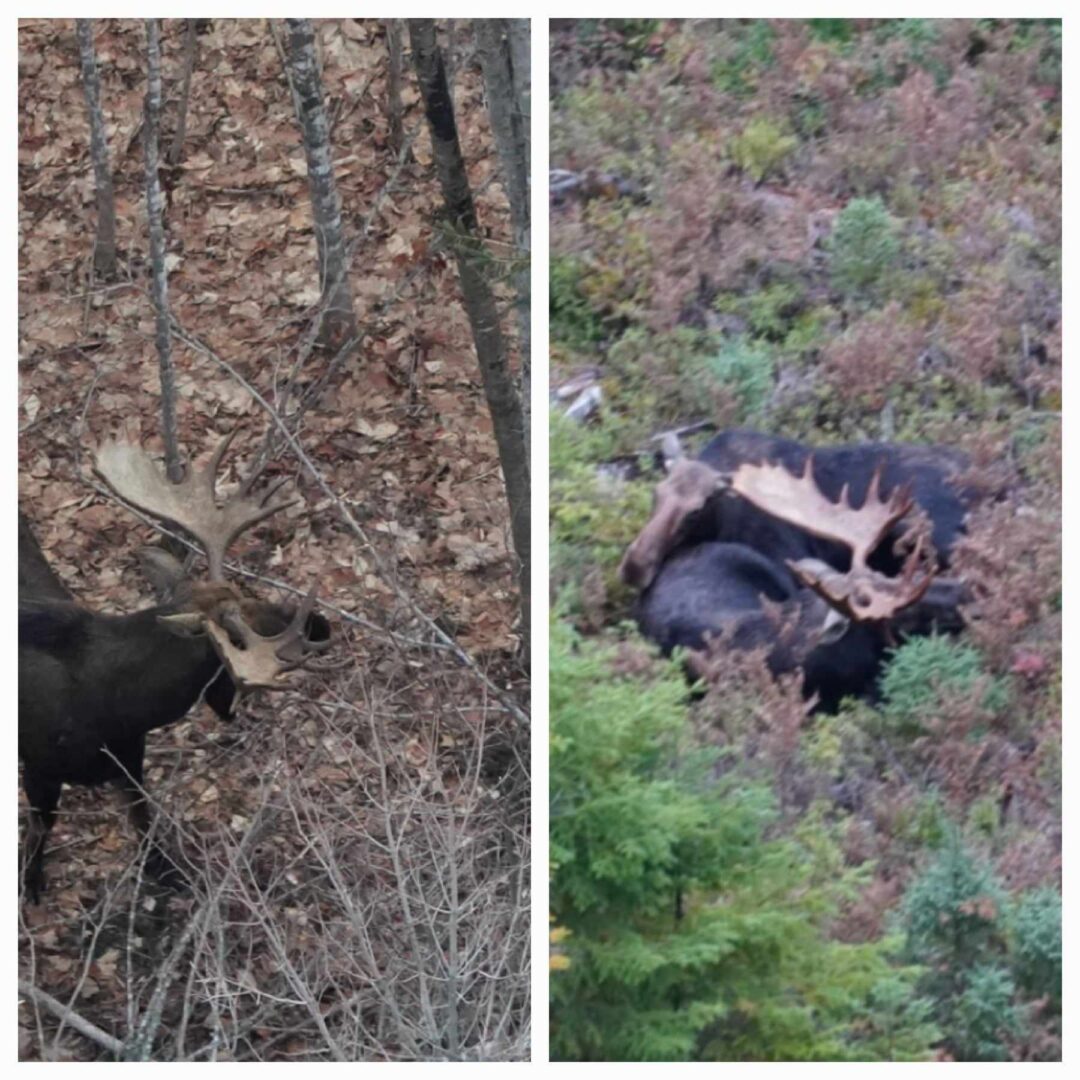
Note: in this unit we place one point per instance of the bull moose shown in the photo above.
(92, 685)
(841, 547)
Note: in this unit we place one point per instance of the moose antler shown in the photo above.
(862, 594)
(259, 660)
(799, 500)
(190, 504)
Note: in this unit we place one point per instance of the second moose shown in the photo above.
(824, 558)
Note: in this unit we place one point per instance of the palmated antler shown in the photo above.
(862, 593)
(799, 500)
(259, 660)
(192, 503)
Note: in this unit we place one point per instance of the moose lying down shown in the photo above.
(92, 685)
(823, 557)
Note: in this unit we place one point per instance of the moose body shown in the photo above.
(93, 685)
(714, 592)
(691, 507)
(37, 579)
(733, 544)
(930, 471)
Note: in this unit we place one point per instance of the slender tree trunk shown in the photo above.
(155, 205)
(393, 90)
(105, 240)
(338, 318)
(191, 45)
(521, 59)
(450, 58)
(504, 401)
(501, 50)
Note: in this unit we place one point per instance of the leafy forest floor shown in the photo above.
(364, 841)
(835, 230)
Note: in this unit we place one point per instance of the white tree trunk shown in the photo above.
(159, 285)
(105, 241)
(338, 317)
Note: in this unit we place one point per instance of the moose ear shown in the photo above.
(671, 449)
(164, 572)
(185, 624)
(834, 627)
(317, 628)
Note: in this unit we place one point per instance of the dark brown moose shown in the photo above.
(693, 504)
(825, 577)
(92, 685)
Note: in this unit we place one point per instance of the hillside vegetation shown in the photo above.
(834, 230)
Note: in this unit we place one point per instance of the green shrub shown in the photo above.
(658, 379)
(984, 814)
(898, 1024)
(924, 670)
(863, 248)
(693, 933)
(1035, 933)
(834, 31)
(954, 917)
(573, 320)
(923, 823)
(984, 1016)
(952, 912)
(744, 53)
(771, 310)
(591, 520)
(761, 148)
(748, 370)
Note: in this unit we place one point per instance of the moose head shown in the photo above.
(252, 658)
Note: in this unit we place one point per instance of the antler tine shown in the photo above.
(273, 489)
(209, 472)
(873, 492)
(190, 504)
(264, 660)
(861, 593)
(800, 501)
(237, 516)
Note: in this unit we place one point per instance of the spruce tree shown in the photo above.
(691, 933)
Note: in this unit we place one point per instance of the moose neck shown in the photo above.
(155, 676)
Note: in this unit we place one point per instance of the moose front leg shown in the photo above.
(43, 796)
(159, 864)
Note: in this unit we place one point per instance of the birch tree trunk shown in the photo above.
(393, 90)
(191, 45)
(338, 318)
(159, 285)
(501, 51)
(504, 401)
(105, 240)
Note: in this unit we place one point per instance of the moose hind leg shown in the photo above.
(43, 796)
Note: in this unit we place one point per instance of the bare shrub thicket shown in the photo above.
(367, 900)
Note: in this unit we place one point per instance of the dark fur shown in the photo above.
(36, 576)
(91, 686)
(716, 589)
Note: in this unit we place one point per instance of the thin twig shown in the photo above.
(79, 1023)
(346, 516)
